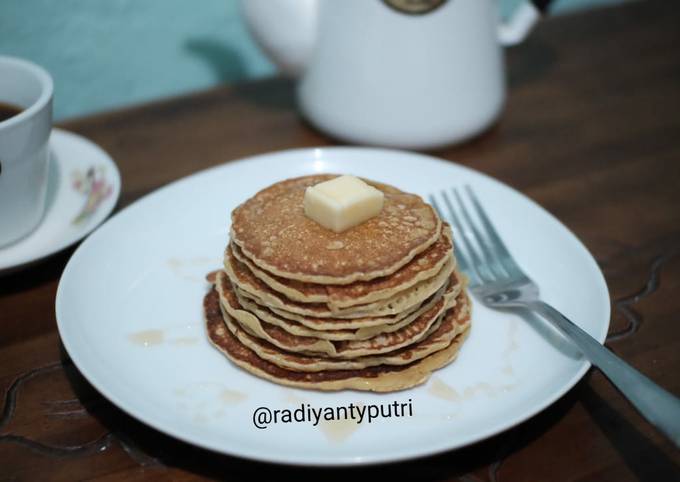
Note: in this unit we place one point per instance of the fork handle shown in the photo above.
(659, 407)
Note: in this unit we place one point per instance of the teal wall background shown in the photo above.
(106, 54)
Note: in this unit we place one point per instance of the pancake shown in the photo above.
(376, 307)
(330, 322)
(341, 329)
(381, 343)
(454, 322)
(381, 378)
(340, 326)
(423, 266)
(247, 284)
(271, 227)
(335, 324)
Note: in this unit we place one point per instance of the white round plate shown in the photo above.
(129, 313)
(83, 187)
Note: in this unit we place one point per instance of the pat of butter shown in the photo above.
(342, 203)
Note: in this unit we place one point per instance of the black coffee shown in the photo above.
(8, 110)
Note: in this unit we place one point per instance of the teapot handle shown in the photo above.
(517, 27)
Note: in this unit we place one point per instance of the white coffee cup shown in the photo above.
(24, 152)
(401, 73)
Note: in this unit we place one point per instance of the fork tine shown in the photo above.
(505, 257)
(477, 269)
(492, 262)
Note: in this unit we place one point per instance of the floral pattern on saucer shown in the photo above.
(94, 186)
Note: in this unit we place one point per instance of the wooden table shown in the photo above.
(591, 132)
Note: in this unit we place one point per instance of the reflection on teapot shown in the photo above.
(402, 73)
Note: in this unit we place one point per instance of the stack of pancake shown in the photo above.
(377, 307)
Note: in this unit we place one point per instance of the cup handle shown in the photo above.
(516, 28)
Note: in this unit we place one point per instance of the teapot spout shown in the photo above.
(284, 29)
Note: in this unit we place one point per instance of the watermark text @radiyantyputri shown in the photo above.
(263, 417)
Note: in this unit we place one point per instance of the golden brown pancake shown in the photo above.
(453, 323)
(249, 285)
(381, 378)
(341, 329)
(423, 266)
(330, 322)
(381, 343)
(271, 227)
(377, 307)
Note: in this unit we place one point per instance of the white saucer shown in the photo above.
(76, 202)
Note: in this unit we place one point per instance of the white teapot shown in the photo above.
(416, 74)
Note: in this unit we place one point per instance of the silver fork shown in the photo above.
(499, 283)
